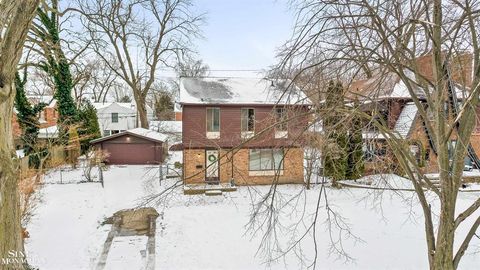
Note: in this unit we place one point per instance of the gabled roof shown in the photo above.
(230, 90)
(137, 132)
(406, 119)
(386, 85)
(101, 105)
(47, 99)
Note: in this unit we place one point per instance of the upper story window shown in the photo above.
(281, 129)
(213, 123)
(248, 119)
(114, 117)
(280, 118)
(247, 122)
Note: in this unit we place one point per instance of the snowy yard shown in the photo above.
(199, 232)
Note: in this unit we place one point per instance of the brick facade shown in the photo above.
(194, 167)
(50, 117)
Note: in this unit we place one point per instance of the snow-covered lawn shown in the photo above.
(199, 232)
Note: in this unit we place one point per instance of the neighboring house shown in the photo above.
(389, 97)
(115, 117)
(47, 118)
(242, 130)
(135, 146)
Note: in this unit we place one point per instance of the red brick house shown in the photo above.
(242, 130)
(387, 96)
(47, 118)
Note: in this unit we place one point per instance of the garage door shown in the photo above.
(138, 153)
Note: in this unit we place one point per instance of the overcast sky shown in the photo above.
(243, 34)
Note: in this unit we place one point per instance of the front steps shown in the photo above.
(208, 190)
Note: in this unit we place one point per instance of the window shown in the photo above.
(106, 132)
(41, 117)
(114, 117)
(248, 119)
(213, 119)
(280, 118)
(266, 159)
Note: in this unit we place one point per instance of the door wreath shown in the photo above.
(212, 158)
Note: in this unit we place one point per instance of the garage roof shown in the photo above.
(137, 132)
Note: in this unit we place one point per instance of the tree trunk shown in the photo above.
(15, 18)
(443, 258)
(10, 226)
(141, 109)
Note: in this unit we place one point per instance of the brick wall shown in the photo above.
(191, 159)
(50, 117)
(194, 127)
(292, 173)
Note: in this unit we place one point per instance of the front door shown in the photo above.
(211, 174)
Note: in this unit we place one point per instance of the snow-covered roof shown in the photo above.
(239, 91)
(148, 134)
(131, 106)
(141, 132)
(48, 132)
(166, 126)
(390, 85)
(47, 99)
(405, 120)
(101, 105)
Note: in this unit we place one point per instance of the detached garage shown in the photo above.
(135, 146)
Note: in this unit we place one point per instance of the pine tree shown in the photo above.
(336, 155)
(89, 128)
(356, 165)
(28, 120)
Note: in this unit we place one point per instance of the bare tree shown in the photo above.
(134, 38)
(15, 19)
(193, 68)
(94, 80)
(353, 40)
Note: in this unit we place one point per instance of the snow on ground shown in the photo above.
(199, 232)
(381, 181)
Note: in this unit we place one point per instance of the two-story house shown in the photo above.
(242, 130)
(386, 96)
(115, 117)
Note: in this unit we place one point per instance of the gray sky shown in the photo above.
(243, 34)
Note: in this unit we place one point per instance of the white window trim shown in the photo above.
(247, 134)
(281, 134)
(212, 135)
